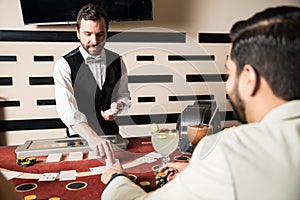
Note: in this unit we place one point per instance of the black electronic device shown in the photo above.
(43, 12)
(202, 112)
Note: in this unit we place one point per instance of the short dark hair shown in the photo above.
(92, 11)
(270, 42)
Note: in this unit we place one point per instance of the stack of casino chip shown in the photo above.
(26, 162)
(161, 179)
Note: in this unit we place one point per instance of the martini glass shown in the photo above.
(165, 141)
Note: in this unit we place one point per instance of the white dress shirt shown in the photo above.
(258, 161)
(66, 105)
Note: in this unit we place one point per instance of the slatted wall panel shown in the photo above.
(166, 71)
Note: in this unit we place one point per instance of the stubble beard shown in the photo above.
(99, 48)
(238, 105)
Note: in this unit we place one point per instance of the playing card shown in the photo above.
(133, 163)
(48, 177)
(153, 155)
(10, 174)
(98, 170)
(54, 157)
(67, 175)
(111, 112)
(146, 159)
(73, 156)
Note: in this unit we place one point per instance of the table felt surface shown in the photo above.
(48, 189)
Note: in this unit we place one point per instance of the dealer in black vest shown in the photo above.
(91, 83)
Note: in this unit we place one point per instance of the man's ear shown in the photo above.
(252, 80)
(77, 32)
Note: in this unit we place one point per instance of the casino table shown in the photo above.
(91, 186)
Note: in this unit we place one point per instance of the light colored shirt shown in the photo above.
(258, 161)
(66, 105)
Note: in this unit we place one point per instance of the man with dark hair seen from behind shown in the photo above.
(91, 84)
(261, 159)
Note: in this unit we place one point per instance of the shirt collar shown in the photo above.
(85, 54)
(285, 111)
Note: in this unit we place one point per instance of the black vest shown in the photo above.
(90, 99)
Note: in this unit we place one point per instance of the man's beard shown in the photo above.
(99, 47)
(238, 106)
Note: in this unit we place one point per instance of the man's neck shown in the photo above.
(259, 105)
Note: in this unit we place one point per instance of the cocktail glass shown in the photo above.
(165, 141)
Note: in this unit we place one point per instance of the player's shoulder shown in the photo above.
(240, 131)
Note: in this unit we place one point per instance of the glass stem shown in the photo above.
(165, 159)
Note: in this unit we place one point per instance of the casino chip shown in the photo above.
(31, 160)
(20, 160)
(26, 162)
(161, 179)
(146, 185)
(30, 197)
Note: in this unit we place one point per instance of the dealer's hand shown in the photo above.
(100, 146)
(108, 115)
(111, 114)
(106, 176)
(172, 169)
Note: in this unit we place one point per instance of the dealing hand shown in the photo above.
(116, 167)
(100, 146)
(172, 169)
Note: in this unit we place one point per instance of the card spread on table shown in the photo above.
(148, 158)
(48, 177)
(67, 175)
(133, 163)
(73, 156)
(98, 170)
(54, 157)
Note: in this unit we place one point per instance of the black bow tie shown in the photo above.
(91, 59)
